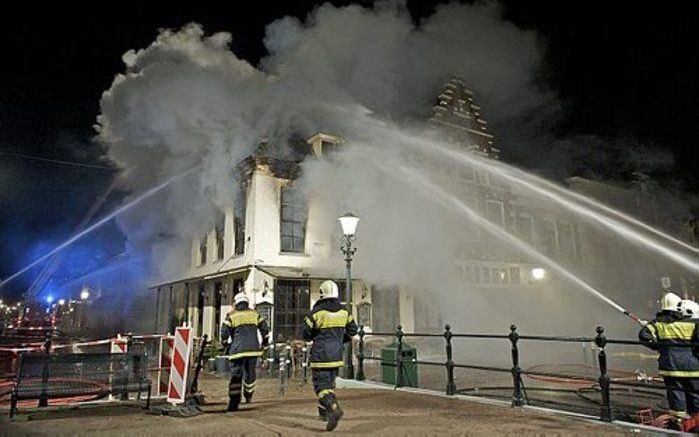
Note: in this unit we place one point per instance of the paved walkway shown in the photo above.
(368, 411)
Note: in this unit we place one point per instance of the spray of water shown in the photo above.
(617, 227)
(595, 204)
(436, 193)
(99, 224)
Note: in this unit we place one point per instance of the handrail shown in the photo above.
(602, 379)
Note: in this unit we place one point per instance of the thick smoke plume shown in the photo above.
(187, 99)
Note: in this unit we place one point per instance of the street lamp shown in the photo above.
(84, 294)
(349, 222)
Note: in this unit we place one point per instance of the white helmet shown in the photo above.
(328, 290)
(240, 297)
(689, 308)
(670, 302)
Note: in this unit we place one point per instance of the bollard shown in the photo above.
(287, 360)
(606, 407)
(451, 387)
(270, 360)
(399, 357)
(517, 399)
(43, 396)
(304, 362)
(360, 358)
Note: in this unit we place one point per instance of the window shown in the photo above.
(292, 301)
(364, 314)
(219, 231)
(496, 212)
(486, 275)
(547, 237)
(239, 221)
(202, 250)
(515, 278)
(566, 244)
(294, 213)
(525, 227)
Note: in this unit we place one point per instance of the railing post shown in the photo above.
(270, 360)
(360, 358)
(606, 407)
(517, 399)
(399, 357)
(451, 387)
(43, 396)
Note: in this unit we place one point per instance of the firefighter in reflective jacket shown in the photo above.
(328, 325)
(242, 325)
(669, 334)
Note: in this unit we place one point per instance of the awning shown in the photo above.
(203, 277)
(297, 272)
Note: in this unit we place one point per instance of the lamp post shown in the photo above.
(348, 222)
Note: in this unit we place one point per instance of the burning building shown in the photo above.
(272, 241)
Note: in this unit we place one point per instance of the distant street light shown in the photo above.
(538, 273)
(61, 302)
(49, 299)
(349, 222)
(84, 294)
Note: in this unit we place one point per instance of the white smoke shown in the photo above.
(187, 99)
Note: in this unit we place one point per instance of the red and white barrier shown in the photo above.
(177, 387)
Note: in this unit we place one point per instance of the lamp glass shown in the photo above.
(538, 273)
(349, 223)
(84, 294)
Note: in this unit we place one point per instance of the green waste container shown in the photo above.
(408, 365)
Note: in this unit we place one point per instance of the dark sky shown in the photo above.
(622, 69)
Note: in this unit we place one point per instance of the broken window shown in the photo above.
(202, 250)
(294, 214)
(219, 232)
(239, 221)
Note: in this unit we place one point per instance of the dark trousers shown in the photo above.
(682, 394)
(324, 381)
(242, 376)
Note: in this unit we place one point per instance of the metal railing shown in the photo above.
(518, 392)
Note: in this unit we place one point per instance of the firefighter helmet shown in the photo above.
(240, 297)
(328, 290)
(670, 302)
(689, 308)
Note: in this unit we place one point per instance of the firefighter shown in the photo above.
(241, 325)
(328, 325)
(669, 334)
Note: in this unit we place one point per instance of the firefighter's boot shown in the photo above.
(332, 411)
(321, 413)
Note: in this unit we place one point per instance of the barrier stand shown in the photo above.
(117, 345)
(167, 344)
(181, 403)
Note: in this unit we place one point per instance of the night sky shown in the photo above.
(626, 69)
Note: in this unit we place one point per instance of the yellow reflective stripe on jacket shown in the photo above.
(308, 322)
(680, 373)
(245, 317)
(675, 330)
(245, 354)
(327, 365)
(652, 330)
(325, 319)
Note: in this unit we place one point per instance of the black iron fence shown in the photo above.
(518, 392)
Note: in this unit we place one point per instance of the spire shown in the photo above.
(458, 116)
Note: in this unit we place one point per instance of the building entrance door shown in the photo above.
(292, 301)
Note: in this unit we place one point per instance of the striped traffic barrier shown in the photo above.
(180, 365)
